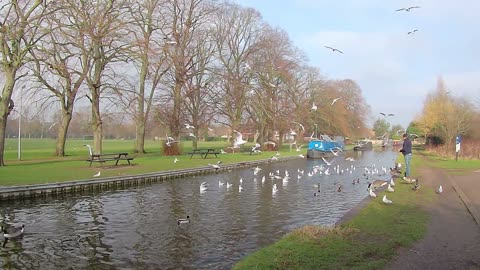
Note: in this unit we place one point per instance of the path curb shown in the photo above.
(466, 201)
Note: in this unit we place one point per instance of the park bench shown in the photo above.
(204, 152)
(102, 158)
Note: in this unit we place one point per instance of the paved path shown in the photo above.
(452, 240)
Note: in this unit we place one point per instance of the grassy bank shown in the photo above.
(367, 241)
(460, 166)
(38, 165)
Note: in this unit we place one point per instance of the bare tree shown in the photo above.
(57, 65)
(186, 18)
(149, 52)
(100, 38)
(237, 34)
(198, 98)
(20, 24)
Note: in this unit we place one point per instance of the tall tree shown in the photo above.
(149, 52)
(445, 115)
(57, 65)
(380, 127)
(186, 17)
(20, 22)
(237, 35)
(100, 38)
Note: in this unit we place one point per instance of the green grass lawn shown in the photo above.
(462, 166)
(39, 165)
(367, 241)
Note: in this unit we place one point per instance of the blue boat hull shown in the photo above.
(322, 148)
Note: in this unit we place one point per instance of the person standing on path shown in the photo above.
(407, 153)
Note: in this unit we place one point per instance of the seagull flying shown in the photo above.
(412, 32)
(238, 140)
(326, 162)
(333, 49)
(407, 9)
(301, 126)
(335, 100)
(216, 166)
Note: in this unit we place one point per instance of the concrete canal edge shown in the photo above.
(8, 193)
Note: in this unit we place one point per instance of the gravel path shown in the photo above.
(452, 240)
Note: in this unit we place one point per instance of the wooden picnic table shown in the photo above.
(102, 158)
(204, 152)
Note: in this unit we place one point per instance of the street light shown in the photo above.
(20, 124)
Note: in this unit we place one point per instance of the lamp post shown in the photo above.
(20, 124)
(316, 130)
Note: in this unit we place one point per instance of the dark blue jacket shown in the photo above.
(407, 146)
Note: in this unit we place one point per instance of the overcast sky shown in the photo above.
(395, 70)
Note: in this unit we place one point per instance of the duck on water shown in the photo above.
(14, 233)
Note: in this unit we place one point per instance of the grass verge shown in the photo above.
(367, 241)
(450, 165)
(39, 166)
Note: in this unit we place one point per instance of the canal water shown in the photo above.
(136, 228)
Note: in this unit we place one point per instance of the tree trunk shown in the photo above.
(4, 109)
(140, 123)
(62, 134)
(97, 129)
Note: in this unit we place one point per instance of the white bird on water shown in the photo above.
(203, 187)
(274, 189)
(385, 200)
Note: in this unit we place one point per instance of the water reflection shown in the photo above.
(136, 227)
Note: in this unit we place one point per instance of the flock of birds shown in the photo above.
(327, 168)
(407, 9)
